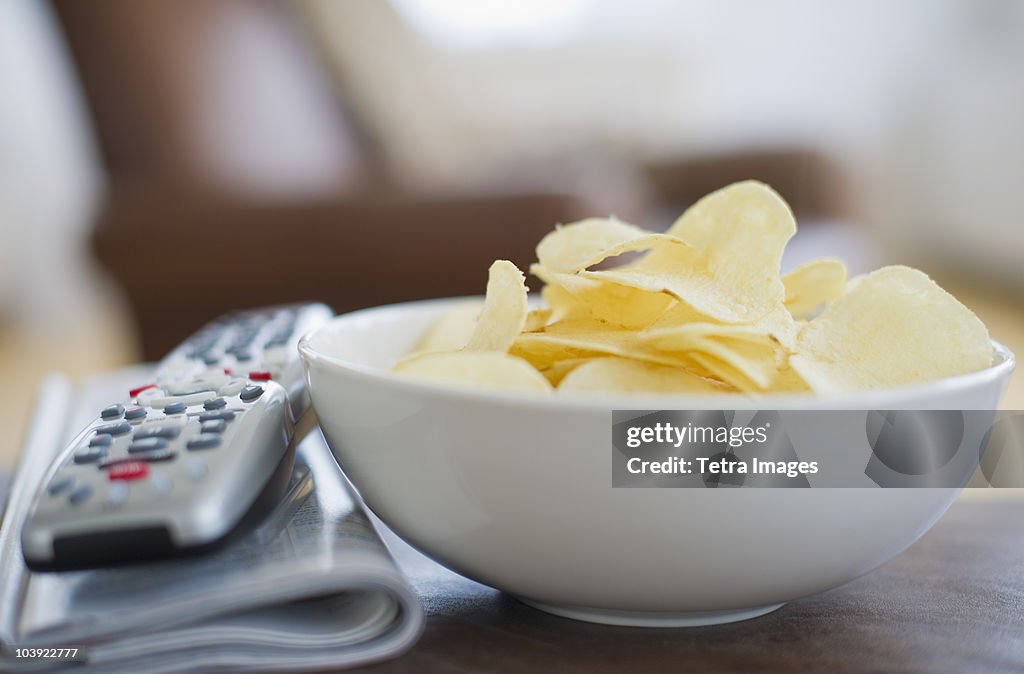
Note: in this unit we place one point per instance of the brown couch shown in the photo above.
(191, 228)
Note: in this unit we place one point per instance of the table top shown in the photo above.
(953, 602)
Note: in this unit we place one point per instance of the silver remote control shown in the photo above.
(189, 458)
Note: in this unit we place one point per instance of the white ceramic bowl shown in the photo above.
(514, 490)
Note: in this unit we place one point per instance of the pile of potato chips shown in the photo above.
(704, 310)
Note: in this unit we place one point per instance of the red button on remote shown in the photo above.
(259, 375)
(130, 470)
(139, 389)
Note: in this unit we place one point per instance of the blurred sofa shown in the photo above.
(237, 177)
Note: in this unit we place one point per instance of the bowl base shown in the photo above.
(651, 618)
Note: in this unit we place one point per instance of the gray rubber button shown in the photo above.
(226, 415)
(90, 455)
(206, 441)
(147, 445)
(101, 441)
(80, 495)
(60, 486)
(214, 426)
(158, 431)
(117, 493)
(158, 456)
(195, 468)
(250, 393)
(160, 483)
(120, 428)
(112, 411)
(133, 413)
(215, 404)
(175, 408)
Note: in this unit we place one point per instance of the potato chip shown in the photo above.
(544, 350)
(557, 371)
(563, 304)
(731, 272)
(892, 327)
(454, 330)
(788, 381)
(812, 285)
(486, 369)
(579, 245)
(704, 310)
(537, 319)
(584, 338)
(625, 375)
(778, 327)
(504, 312)
(745, 364)
(579, 297)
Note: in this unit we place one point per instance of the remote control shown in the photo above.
(193, 456)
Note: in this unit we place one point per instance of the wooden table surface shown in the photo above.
(953, 602)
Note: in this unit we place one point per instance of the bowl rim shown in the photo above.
(1003, 365)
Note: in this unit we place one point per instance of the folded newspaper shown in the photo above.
(312, 588)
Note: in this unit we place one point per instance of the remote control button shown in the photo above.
(187, 400)
(157, 400)
(117, 493)
(206, 441)
(195, 468)
(112, 411)
(58, 487)
(242, 356)
(128, 470)
(158, 456)
(101, 440)
(250, 393)
(259, 375)
(168, 431)
(160, 483)
(133, 413)
(139, 389)
(147, 397)
(211, 359)
(147, 445)
(215, 404)
(120, 428)
(213, 426)
(226, 415)
(231, 388)
(89, 455)
(80, 495)
(175, 408)
(198, 398)
(184, 387)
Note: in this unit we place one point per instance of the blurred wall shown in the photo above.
(49, 174)
(645, 78)
(922, 101)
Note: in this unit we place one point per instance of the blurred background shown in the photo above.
(164, 162)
